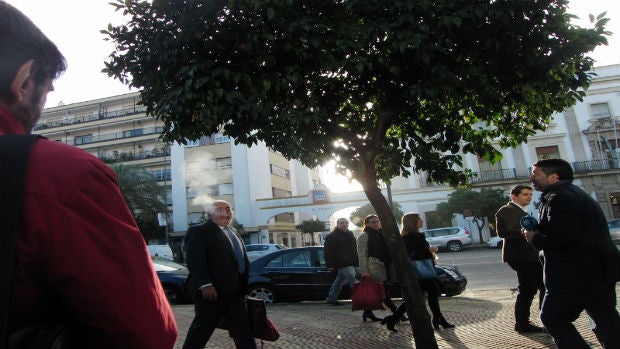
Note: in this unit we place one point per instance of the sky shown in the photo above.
(75, 25)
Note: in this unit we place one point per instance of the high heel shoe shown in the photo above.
(371, 317)
(390, 321)
(440, 320)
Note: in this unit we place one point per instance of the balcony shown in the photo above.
(595, 165)
(579, 167)
(88, 118)
(495, 175)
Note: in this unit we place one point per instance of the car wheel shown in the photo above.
(263, 292)
(173, 294)
(455, 246)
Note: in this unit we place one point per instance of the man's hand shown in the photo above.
(528, 234)
(209, 293)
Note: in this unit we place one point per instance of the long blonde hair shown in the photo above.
(410, 223)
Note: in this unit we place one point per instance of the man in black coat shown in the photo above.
(581, 265)
(521, 256)
(341, 254)
(219, 269)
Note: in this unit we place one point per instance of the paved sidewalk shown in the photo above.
(483, 319)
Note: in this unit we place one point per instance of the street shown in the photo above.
(482, 267)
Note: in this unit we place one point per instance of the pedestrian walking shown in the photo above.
(521, 256)
(340, 250)
(581, 265)
(219, 266)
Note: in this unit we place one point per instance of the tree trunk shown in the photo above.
(420, 320)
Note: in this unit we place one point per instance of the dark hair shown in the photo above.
(21, 41)
(368, 218)
(558, 166)
(410, 223)
(516, 190)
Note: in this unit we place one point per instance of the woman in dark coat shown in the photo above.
(418, 248)
(374, 259)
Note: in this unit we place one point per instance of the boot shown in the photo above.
(440, 320)
(368, 314)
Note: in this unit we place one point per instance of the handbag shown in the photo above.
(368, 294)
(14, 154)
(425, 268)
(261, 326)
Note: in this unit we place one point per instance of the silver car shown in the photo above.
(450, 238)
(614, 230)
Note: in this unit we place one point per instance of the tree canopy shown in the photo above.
(143, 196)
(385, 84)
(383, 87)
(483, 203)
(310, 227)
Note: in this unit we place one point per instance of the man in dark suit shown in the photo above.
(521, 256)
(581, 264)
(219, 268)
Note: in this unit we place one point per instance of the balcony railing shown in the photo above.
(595, 165)
(495, 175)
(88, 118)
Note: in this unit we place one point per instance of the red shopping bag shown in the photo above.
(368, 294)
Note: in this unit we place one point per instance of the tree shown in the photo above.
(384, 88)
(478, 204)
(143, 196)
(358, 215)
(310, 227)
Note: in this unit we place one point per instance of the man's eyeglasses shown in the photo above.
(373, 222)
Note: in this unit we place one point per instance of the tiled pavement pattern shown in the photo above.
(483, 319)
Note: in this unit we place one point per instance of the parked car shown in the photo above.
(174, 279)
(298, 274)
(257, 250)
(614, 230)
(163, 251)
(495, 242)
(450, 238)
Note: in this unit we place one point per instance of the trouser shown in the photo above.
(432, 297)
(345, 275)
(530, 278)
(208, 315)
(559, 310)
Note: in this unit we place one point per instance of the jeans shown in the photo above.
(346, 274)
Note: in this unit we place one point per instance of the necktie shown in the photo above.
(236, 244)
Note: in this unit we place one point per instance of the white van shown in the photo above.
(162, 251)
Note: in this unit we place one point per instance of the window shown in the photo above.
(298, 259)
(133, 133)
(551, 152)
(600, 110)
(281, 193)
(279, 171)
(83, 139)
(222, 139)
(225, 189)
(223, 163)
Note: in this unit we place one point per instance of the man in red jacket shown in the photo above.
(80, 255)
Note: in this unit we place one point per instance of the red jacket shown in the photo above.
(79, 245)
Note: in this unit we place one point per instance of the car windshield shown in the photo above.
(162, 264)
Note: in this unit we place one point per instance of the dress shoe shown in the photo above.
(335, 303)
(529, 328)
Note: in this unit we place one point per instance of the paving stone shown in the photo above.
(483, 319)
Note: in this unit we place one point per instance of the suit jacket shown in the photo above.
(211, 259)
(573, 235)
(508, 224)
